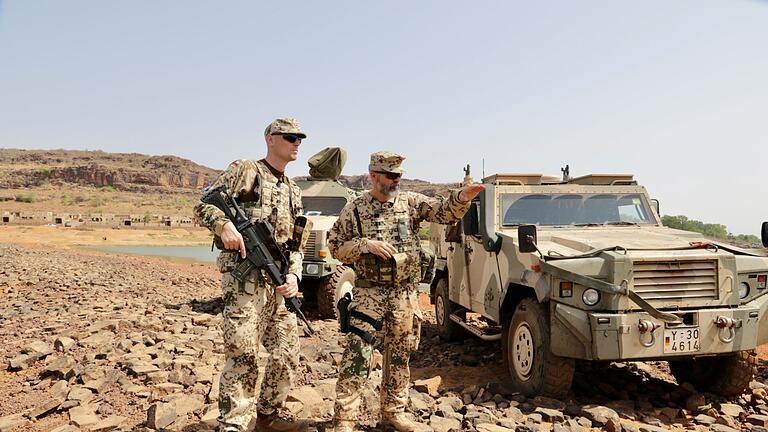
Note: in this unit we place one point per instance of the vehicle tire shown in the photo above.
(532, 366)
(331, 289)
(447, 329)
(728, 375)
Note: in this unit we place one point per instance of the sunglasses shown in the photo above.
(290, 138)
(389, 175)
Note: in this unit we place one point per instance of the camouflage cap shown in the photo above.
(386, 162)
(285, 126)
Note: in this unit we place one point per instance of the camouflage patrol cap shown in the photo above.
(387, 162)
(285, 126)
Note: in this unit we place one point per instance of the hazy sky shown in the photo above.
(671, 91)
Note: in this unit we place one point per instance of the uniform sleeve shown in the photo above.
(296, 258)
(344, 242)
(209, 215)
(439, 209)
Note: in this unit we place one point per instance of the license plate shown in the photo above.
(681, 340)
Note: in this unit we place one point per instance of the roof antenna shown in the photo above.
(566, 173)
(483, 167)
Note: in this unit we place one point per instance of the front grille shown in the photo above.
(309, 248)
(675, 280)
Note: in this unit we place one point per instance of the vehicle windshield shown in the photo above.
(575, 209)
(323, 206)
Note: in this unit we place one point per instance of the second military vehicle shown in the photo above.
(562, 269)
(323, 197)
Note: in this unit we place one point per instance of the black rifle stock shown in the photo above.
(262, 251)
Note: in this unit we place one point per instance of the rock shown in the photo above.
(211, 415)
(204, 374)
(143, 369)
(758, 420)
(722, 428)
(599, 414)
(545, 402)
(613, 425)
(10, 422)
(83, 416)
(66, 428)
(651, 428)
(488, 427)
(550, 415)
(47, 406)
(185, 404)
(108, 424)
(442, 424)
(80, 394)
(694, 401)
(704, 419)
(62, 368)
(629, 427)
(37, 349)
(63, 343)
(732, 410)
(160, 415)
(451, 401)
(515, 414)
(19, 362)
(312, 400)
(431, 386)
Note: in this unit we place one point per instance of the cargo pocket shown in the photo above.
(226, 261)
(418, 317)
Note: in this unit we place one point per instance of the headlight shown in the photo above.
(743, 290)
(591, 297)
(312, 269)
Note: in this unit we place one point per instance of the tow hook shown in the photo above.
(729, 325)
(646, 326)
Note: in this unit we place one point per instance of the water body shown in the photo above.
(187, 253)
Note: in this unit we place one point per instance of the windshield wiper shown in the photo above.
(621, 223)
(587, 224)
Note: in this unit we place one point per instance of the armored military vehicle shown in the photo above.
(560, 269)
(323, 197)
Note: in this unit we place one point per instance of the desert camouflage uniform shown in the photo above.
(253, 312)
(380, 293)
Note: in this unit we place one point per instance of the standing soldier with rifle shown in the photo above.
(255, 309)
(378, 232)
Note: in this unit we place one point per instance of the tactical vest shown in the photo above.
(395, 226)
(270, 201)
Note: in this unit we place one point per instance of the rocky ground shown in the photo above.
(100, 343)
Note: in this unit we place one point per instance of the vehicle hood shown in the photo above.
(322, 223)
(574, 241)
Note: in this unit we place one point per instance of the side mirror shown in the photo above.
(655, 204)
(471, 221)
(526, 235)
(764, 234)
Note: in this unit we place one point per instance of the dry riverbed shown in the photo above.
(102, 342)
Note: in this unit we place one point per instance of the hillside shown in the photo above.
(94, 182)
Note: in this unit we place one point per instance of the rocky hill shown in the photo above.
(123, 171)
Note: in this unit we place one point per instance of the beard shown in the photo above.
(389, 191)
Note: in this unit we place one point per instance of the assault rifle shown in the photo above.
(262, 251)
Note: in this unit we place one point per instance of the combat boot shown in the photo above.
(276, 423)
(402, 423)
(344, 426)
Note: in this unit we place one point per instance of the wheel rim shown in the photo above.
(522, 351)
(440, 310)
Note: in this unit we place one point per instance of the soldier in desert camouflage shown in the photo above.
(255, 311)
(378, 233)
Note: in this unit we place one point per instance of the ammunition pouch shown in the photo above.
(427, 265)
(345, 315)
(385, 271)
